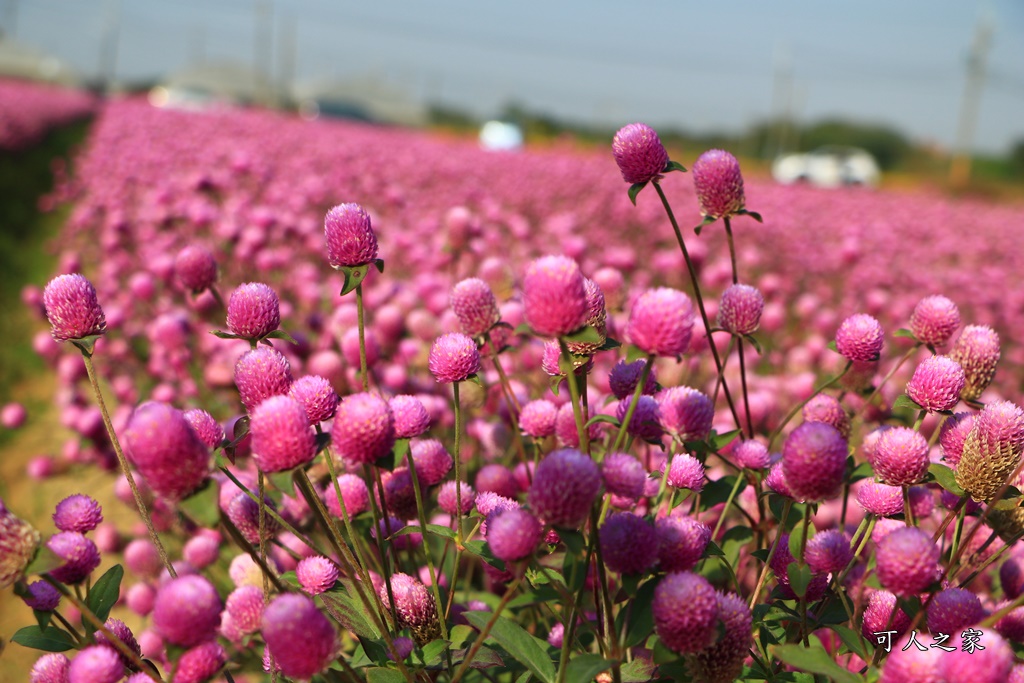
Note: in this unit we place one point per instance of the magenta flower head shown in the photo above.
(50, 668)
(719, 184)
(497, 478)
(18, 544)
(859, 338)
(554, 296)
(363, 428)
(685, 413)
(513, 534)
(682, 541)
(977, 351)
(878, 613)
(934, 320)
(78, 513)
(351, 241)
(624, 376)
(121, 631)
(565, 484)
(828, 552)
(196, 268)
(453, 358)
(165, 450)
(206, 427)
(260, 374)
(901, 457)
(827, 409)
(992, 450)
(187, 610)
(723, 661)
(282, 437)
(953, 610)
(354, 495)
(953, 435)
(42, 596)
(661, 322)
(317, 397)
(751, 454)
(639, 153)
(937, 383)
(685, 472)
(96, 664)
(644, 423)
(316, 574)
(629, 543)
(200, 663)
(597, 317)
(411, 416)
(740, 309)
(243, 611)
(254, 311)
(881, 500)
(685, 610)
(431, 460)
(301, 638)
(623, 475)
(448, 501)
(72, 308)
(475, 306)
(907, 561)
(814, 461)
(414, 606)
(537, 418)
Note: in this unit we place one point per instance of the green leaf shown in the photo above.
(946, 478)
(753, 214)
(281, 334)
(584, 668)
(49, 639)
(45, 560)
(640, 670)
(799, 578)
(610, 419)
(713, 550)
(718, 491)
(42, 618)
(351, 613)
(484, 658)
(708, 220)
(475, 379)
(734, 540)
(202, 506)
(673, 166)
(862, 471)
(720, 441)
(87, 344)
(526, 649)
(854, 642)
(832, 346)
(225, 335)
(639, 616)
(379, 265)
(634, 190)
(483, 551)
(904, 401)
(587, 334)
(525, 330)
(461, 634)
(753, 342)
(609, 344)
(905, 333)
(796, 541)
(353, 277)
(814, 659)
(379, 674)
(105, 592)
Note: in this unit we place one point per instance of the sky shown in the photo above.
(697, 66)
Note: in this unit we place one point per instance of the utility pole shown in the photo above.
(108, 45)
(262, 60)
(782, 104)
(960, 166)
(286, 58)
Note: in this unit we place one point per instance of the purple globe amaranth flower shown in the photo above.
(414, 606)
(859, 338)
(79, 513)
(624, 376)
(96, 664)
(1011, 626)
(992, 450)
(404, 648)
(52, 667)
(80, 555)
(556, 635)
(282, 437)
(351, 241)
(453, 358)
(448, 501)
(937, 383)
(363, 428)
(597, 317)
(410, 415)
(42, 596)
(187, 610)
(72, 308)
(475, 306)
(934, 320)
(685, 413)
(354, 494)
(681, 540)
(719, 184)
(551, 361)
(1011, 576)
(244, 607)
(200, 663)
(206, 427)
(661, 322)
(537, 419)
(814, 461)
(685, 472)
(685, 608)
(878, 614)
(317, 397)
(740, 309)
(775, 480)
(644, 423)
(639, 153)
(316, 574)
(907, 664)
(828, 552)
(513, 534)
(565, 485)
(953, 610)
(196, 268)
(907, 561)
(623, 475)
(953, 435)
(254, 311)
(431, 460)
(723, 661)
(19, 542)
(260, 374)
(751, 454)
(497, 478)
(881, 500)
(827, 409)
(977, 351)
(121, 631)
(165, 450)
(629, 543)
(302, 639)
(201, 551)
(901, 457)
(399, 492)
(994, 664)
(554, 296)
(244, 513)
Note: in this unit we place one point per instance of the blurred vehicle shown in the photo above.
(211, 85)
(500, 136)
(831, 166)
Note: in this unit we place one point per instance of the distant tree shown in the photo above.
(1017, 156)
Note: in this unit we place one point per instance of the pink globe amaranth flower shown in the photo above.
(719, 184)
(475, 306)
(780, 567)
(859, 338)
(814, 461)
(629, 543)
(828, 552)
(447, 499)
(42, 596)
(623, 475)
(953, 610)
(260, 374)
(411, 416)
(685, 472)
(907, 664)
(977, 351)
(901, 457)
(79, 513)
(399, 493)
(13, 415)
(254, 311)
(316, 574)
(488, 503)
(201, 551)
(681, 541)
(363, 428)
(624, 376)
(827, 409)
(497, 478)
(751, 454)
(351, 241)
(565, 485)
(432, 461)
(597, 317)
(992, 450)
(685, 413)
(639, 153)
(453, 358)
(52, 667)
(96, 664)
(937, 383)
(881, 500)
(282, 437)
(244, 606)
(723, 661)
(644, 423)
(404, 648)
(206, 427)
(165, 450)
(244, 513)
(186, 611)
(196, 268)
(934, 320)
(878, 615)
(80, 555)
(661, 322)
(907, 561)
(556, 635)
(1011, 576)
(302, 639)
(317, 397)
(740, 309)
(354, 494)
(776, 481)
(414, 606)
(122, 633)
(513, 534)
(953, 435)
(685, 608)
(554, 296)
(72, 308)
(1010, 626)
(994, 664)
(551, 361)
(537, 419)
(200, 663)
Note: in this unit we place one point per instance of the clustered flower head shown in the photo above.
(453, 358)
(254, 311)
(73, 309)
(719, 184)
(934, 320)
(18, 545)
(564, 486)
(196, 268)
(661, 322)
(859, 338)
(937, 383)
(814, 461)
(300, 638)
(475, 306)
(992, 450)
(554, 296)
(977, 351)
(351, 241)
(165, 450)
(740, 309)
(363, 428)
(639, 153)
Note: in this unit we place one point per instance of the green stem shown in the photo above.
(732, 249)
(422, 516)
(799, 406)
(888, 376)
(457, 457)
(746, 394)
(478, 643)
(574, 395)
(728, 502)
(908, 511)
(623, 428)
(363, 372)
(771, 554)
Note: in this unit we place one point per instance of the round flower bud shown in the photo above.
(937, 383)
(302, 639)
(624, 377)
(404, 647)
(537, 418)
(900, 457)
(719, 184)
(825, 408)
(363, 428)
(685, 472)
(597, 317)
(992, 450)
(513, 534)
(317, 397)
(878, 615)
(187, 611)
(907, 561)
(399, 492)
(244, 513)
(80, 556)
(639, 153)
(623, 475)
(682, 541)
(977, 352)
(859, 338)
(644, 423)
(13, 415)
(751, 454)
(685, 413)
(414, 606)
(42, 596)
(282, 438)
(200, 663)
(260, 374)
(814, 461)
(96, 664)
(953, 435)
(78, 513)
(245, 608)
(723, 661)
(165, 450)
(351, 241)
(196, 268)
(497, 478)
(475, 306)
(685, 608)
(565, 485)
(828, 552)
(410, 415)
(554, 296)
(52, 667)
(432, 461)
(661, 322)
(253, 311)
(354, 494)
(740, 309)
(934, 320)
(206, 427)
(72, 308)
(316, 574)
(881, 500)
(448, 501)
(453, 358)
(629, 543)
(954, 609)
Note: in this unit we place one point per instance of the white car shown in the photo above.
(831, 166)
